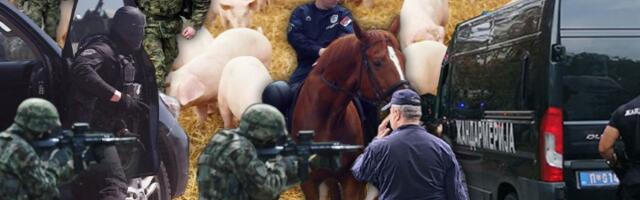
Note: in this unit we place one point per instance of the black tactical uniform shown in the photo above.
(103, 67)
(627, 120)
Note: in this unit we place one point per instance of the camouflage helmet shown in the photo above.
(262, 124)
(37, 115)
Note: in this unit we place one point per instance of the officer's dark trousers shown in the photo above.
(105, 180)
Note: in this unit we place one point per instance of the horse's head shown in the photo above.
(382, 63)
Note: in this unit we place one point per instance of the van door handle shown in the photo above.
(524, 78)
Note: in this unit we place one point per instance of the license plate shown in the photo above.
(597, 178)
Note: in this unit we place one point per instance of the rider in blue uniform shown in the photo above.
(312, 27)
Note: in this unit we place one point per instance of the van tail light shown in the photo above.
(551, 148)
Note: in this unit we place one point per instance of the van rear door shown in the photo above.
(599, 73)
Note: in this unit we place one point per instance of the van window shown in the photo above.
(515, 21)
(503, 74)
(469, 89)
(600, 14)
(599, 75)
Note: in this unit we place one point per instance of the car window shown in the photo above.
(91, 18)
(12, 46)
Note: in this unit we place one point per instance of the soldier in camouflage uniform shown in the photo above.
(163, 23)
(24, 175)
(43, 12)
(229, 167)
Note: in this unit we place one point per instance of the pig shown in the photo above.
(262, 4)
(423, 20)
(189, 49)
(366, 3)
(242, 82)
(237, 13)
(66, 7)
(213, 12)
(196, 83)
(423, 64)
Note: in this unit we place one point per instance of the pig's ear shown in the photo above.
(190, 89)
(395, 25)
(253, 5)
(225, 7)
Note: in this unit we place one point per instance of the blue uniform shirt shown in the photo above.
(311, 29)
(411, 164)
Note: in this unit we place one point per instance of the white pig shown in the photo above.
(189, 49)
(423, 63)
(242, 82)
(196, 83)
(237, 13)
(213, 12)
(423, 20)
(366, 3)
(262, 4)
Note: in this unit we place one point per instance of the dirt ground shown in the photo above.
(273, 22)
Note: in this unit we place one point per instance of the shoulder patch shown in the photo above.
(334, 18)
(346, 20)
(88, 52)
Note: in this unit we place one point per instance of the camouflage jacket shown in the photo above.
(229, 168)
(45, 12)
(158, 11)
(23, 174)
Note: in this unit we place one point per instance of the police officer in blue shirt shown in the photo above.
(312, 27)
(408, 162)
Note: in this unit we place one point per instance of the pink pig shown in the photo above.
(188, 49)
(196, 83)
(237, 13)
(242, 82)
(423, 63)
(423, 20)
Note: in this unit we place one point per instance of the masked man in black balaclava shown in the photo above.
(104, 93)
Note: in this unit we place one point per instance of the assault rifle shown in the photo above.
(80, 139)
(305, 148)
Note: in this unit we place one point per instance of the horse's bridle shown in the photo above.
(378, 91)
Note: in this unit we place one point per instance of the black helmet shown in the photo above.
(278, 94)
(128, 27)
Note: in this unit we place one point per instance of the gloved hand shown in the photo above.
(132, 105)
(61, 157)
(61, 161)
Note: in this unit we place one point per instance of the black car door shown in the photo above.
(28, 58)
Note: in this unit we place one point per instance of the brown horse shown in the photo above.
(367, 65)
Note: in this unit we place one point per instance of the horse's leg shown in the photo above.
(352, 189)
(310, 190)
(329, 189)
